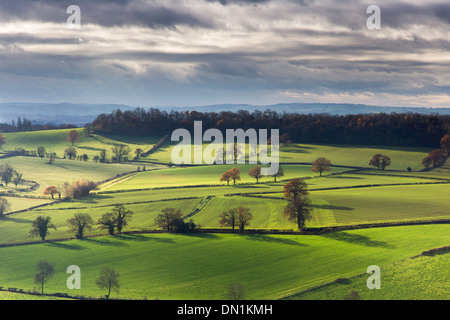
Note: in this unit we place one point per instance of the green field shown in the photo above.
(168, 266)
(203, 265)
(427, 275)
(343, 155)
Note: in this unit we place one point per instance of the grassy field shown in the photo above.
(202, 266)
(202, 175)
(170, 266)
(343, 155)
(56, 141)
(427, 275)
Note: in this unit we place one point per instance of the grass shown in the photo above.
(351, 155)
(385, 204)
(190, 267)
(202, 175)
(56, 141)
(427, 275)
(343, 155)
(37, 169)
(15, 228)
(202, 266)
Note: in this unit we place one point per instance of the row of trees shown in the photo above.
(364, 129)
(117, 219)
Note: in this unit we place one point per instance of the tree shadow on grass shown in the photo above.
(143, 238)
(331, 207)
(209, 236)
(67, 246)
(107, 241)
(16, 220)
(357, 239)
(278, 240)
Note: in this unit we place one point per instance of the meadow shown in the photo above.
(190, 266)
(194, 266)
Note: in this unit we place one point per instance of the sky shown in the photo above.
(204, 52)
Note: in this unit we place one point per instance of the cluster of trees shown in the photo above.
(237, 217)
(232, 174)
(297, 210)
(437, 156)
(117, 219)
(365, 129)
(79, 188)
(171, 220)
(8, 174)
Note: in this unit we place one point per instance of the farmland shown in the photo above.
(154, 264)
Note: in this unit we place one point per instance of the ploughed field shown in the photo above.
(203, 266)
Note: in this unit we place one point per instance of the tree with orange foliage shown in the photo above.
(226, 176)
(445, 143)
(51, 190)
(73, 136)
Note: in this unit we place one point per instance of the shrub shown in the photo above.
(80, 188)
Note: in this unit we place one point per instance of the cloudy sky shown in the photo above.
(200, 52)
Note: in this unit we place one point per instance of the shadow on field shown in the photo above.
(268, 238)
(142, 238)
(65, 246)
(331, 207)
(110, 241)
(296, 149)
(357, 239)
(209, 236)
(344, 177)
(16, 220)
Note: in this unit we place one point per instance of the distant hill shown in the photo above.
(80, 114)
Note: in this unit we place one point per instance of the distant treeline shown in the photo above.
(23, 124)
(393, 129)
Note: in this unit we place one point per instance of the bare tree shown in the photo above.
(45, 271)
(108, 280)
(236, 292)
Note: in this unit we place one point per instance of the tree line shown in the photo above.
(408, 129)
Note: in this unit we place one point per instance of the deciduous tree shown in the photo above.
(320, 165)
(229, 218)
(121, 152)
(168, 218)
(4, 207)
(108, 280)
(436, 156)
(40, 227)
(380, 161)
(45, 271)
(255, 173)
(51, 190)
(80, 223)
(235, 175)
(445, 143)
(243, 218)
(226, 176)
(6, 173)
(73, 136)
(298, 208)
